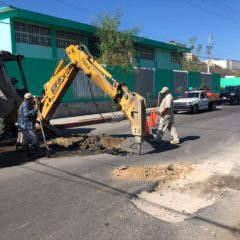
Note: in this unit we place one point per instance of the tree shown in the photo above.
(193, 64)
(237, 74)
(115, 47)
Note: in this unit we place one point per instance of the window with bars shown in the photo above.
(146, 53)
(65, 38)
(175, 57)
(32, 34)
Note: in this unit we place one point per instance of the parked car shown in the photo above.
(230, 94)
(193, 101)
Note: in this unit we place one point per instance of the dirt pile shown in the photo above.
(91, 143)
(161, 173)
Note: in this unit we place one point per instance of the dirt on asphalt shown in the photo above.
(90, 143)
(152, 173)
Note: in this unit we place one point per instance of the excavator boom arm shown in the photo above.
(132, 104)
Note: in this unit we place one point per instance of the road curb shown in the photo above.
(114, 118)
(83, 123)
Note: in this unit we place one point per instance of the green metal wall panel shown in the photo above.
(230, 82)
(163, 78)
(123, 76)
(215, 84)
(194, 79)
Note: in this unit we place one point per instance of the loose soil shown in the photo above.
(152, 173)
(91, 143)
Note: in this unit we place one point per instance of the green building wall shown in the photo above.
(30, 50)
(37, 73)
(163, 60)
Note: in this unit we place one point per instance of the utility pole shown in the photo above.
(209, 48)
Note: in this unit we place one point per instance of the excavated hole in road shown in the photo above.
(90, 144)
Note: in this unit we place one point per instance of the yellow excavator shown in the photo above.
(132, 104)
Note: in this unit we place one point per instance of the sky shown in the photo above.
(162, 20)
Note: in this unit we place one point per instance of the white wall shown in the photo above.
(226, 64)
(5, 35)
(221, 63)
(235, 65)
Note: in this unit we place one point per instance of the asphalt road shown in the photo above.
(74, 196)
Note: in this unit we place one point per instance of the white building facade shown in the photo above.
(226, 64)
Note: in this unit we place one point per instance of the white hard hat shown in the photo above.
(164, 89)
(28, 96)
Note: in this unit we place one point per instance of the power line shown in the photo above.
(221, 7)
(4, 3)
(78, 8)
(97, 16)
(212, 12)
(227, 7)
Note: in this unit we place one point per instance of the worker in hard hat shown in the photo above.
(166, 112)
(27, 115)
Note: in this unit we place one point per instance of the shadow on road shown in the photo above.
(12, 157)
(9, 157)
(199, 112)
(94, 184)
(161, 146)
(122, 135)
(189, 138)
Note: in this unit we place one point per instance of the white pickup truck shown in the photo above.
(193, 101)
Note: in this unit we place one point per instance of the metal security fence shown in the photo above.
(206, 80)
(180, 82)
(80, 88)
(144, 81)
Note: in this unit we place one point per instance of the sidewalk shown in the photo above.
(79, 121)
